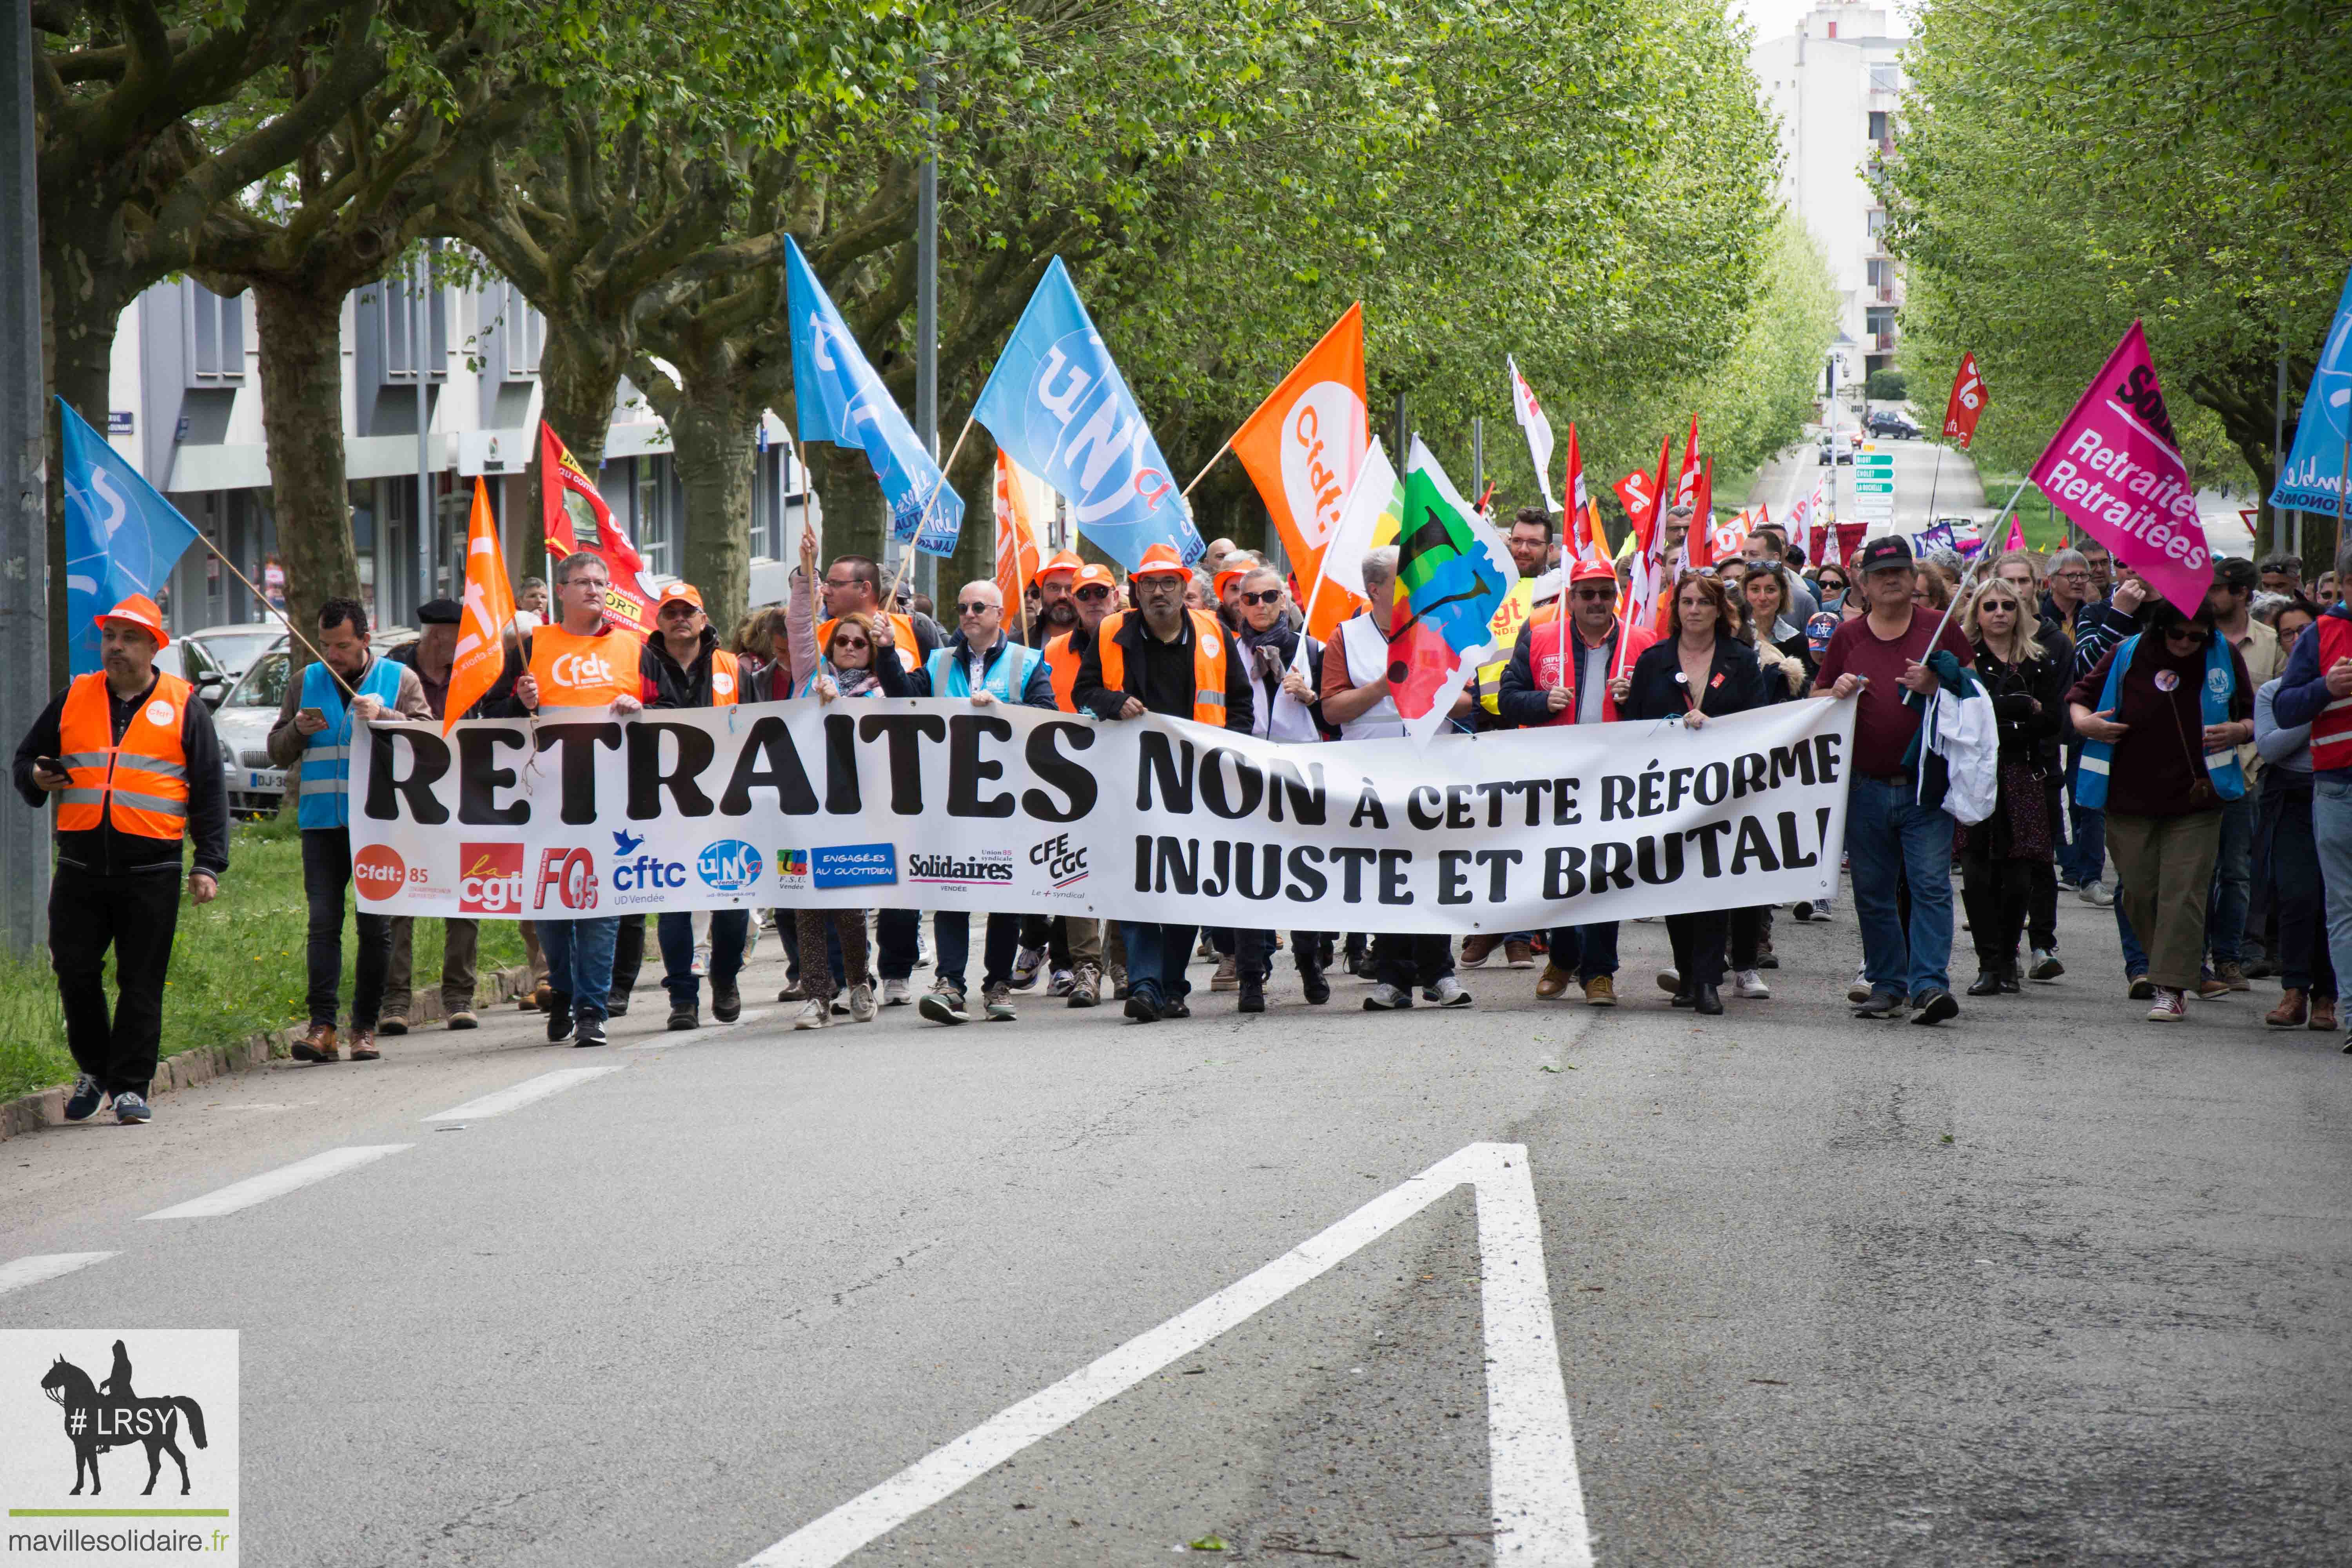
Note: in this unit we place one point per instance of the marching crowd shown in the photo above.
(2190, 772)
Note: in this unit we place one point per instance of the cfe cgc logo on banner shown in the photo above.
(119, 1446)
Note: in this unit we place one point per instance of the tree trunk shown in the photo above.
(579, 377)
(300, 337)
(711, 440)
(81, 351)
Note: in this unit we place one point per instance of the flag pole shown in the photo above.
(288, 621)
(1220, 452)
(908, 560)
(1982, 556)
(2343, 484)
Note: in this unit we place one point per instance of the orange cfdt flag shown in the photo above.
(490, 610)
(1302, 447)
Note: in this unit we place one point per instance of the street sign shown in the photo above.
(1873, 487)
(1873, 464)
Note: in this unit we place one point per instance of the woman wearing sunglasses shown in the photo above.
(2162, 715)
(1704, 672)
(2003, 856)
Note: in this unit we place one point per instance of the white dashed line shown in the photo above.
(273, 1183)
(18, 1273)
(522, 1094)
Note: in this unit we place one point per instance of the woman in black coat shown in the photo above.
(1704, 672)
(2027, 679)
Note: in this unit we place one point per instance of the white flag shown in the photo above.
(1537, 428)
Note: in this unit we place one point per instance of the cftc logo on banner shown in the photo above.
(119, 1444)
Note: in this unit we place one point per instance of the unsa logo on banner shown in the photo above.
(731, 865)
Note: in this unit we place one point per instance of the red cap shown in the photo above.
(140, 611)
(1592, 572)
(677, 591)
(1092, 576)
(1161, 561)
(1060, 561)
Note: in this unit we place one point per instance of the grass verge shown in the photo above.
(237, 965)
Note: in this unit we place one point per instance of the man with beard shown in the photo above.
(1057, 614)
(1077, 943)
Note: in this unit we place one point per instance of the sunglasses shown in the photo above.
(855, 644)
(1271, 596)
(1596, 592)
(975, 607)
(1092, 594)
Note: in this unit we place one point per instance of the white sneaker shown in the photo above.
(1448, 992)
(1859, 990)
(1386, 998)
(2098, 893)
(1749, 982)
(898, 992)
(815, 1013)
(861, 1004)
(1670, 981)
(701, 958)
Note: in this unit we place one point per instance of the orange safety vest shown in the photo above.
(901, 627)
(726, 684)
(575, 671)
(141, 780)
(1545, 669)
(1208, 663)
(1062, 670)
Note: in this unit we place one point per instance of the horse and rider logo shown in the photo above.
(111, 1415)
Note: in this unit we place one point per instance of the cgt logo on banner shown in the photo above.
(151, 1412)
(935, 804)
(490, 879)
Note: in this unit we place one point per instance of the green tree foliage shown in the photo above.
(1887, 385)
(2068, 165)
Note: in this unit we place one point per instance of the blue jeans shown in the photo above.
(1585, 952)
(2135, 956)
(2085, 860)
(1156, 957)
(580, 961)
(675, 929)
(2234, 875)
(1891, 838)
(999, 946)
(2331, 825)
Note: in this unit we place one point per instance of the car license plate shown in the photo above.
(266, 780)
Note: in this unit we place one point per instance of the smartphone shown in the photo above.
(318, 713)
(51, 765)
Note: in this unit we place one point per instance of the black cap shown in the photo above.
(1889, 550)
(440, 613)
(2234, 572)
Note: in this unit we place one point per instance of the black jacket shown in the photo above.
(1734, 684)
(1159, 675)
(1038, 692)
(676, 685)
(105, 851)
(2027, 735)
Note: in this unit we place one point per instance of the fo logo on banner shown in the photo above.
(570, 876)
(489, 878)
(378, 871)
(119, 1446)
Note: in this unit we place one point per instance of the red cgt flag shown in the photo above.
(1966, 403)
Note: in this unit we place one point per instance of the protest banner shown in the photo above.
(935, 804)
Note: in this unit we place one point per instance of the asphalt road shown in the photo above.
(2047, 1285)
(1930, 481)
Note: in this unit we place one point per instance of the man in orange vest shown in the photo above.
(1057, 613)
(1162, 658)
(581, 661)
(689, 669)
(1076, 943)
(131, 758)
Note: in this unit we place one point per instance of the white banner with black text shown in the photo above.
(941, 805)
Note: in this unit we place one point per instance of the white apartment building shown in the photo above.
(185, 410)
(1835, 84)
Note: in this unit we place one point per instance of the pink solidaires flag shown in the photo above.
(2115, 468)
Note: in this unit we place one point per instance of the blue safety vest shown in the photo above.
(951, 677)
(326, 800)
(2213, 702)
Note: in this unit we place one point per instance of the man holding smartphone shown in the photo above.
(130, 757)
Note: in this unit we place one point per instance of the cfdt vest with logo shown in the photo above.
(1208, 653)
(726, 683)
(141, 779)
(326, 755)
(1006, 679)
(591, 671)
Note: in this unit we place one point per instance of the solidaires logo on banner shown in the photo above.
(119, 1444)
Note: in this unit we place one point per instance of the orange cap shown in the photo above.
(140, 611)
(1061, 561)
(1161, 561)
(677, 591)
(1592, 572)
(1092, 576)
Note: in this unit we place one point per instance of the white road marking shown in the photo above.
(522, 1094)
(273, 1183)
(1537, 1497)
(19, 1272)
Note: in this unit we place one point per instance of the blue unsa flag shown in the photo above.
(121, 537)
(1058, 407)
(2313, 478)
(842, 400)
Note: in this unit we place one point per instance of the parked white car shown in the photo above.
(255, 784)
(234, 646)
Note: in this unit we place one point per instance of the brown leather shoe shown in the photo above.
(1476, 949)
(1553, 981)
(363, 1046)
(2233, 975)
(2290, 1012)
(318, 1046)
(2213, 989)
(1519, 954)
(1600, 991)
(2323, 1012)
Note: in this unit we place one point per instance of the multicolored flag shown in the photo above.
(2114, 466)
(481, 655)
(1965, 406)
(1452, 571)
(575, 517)
(1538, 429)
(1303, 449)
(1057, 401)
(122, 536)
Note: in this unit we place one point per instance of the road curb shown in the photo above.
(47, 1107)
